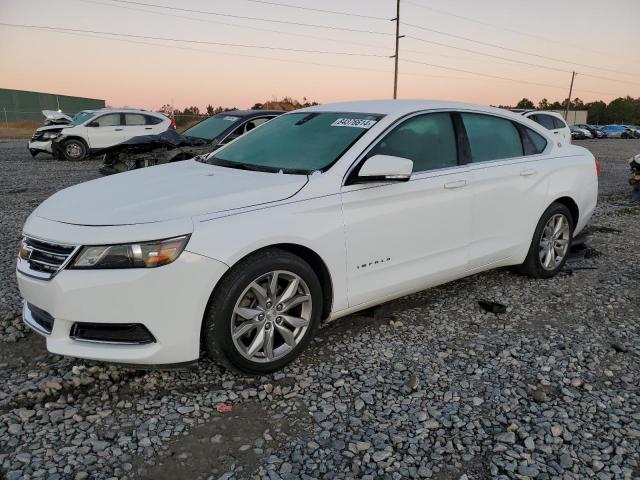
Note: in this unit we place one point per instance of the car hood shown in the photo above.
(51, 127)
(166, 192)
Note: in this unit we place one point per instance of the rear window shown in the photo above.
(492, 138)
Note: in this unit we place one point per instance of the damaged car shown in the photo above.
(54, 122)
(97, 130)
(171, 146)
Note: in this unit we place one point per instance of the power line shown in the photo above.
(288, 5)
(203, 42)
(284, 22)
(500, 27)
(218, 22)
(493, 45)
(521, 62)
(260, 57)
(498, 77)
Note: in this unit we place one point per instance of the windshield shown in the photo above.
(212, 127)
(297, 142)
(81, 117)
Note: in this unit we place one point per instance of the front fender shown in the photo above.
(315, 224)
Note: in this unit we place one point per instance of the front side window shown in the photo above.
(133, 119)
(297, 142)
(491, 138)
(110, 120)
(428, 140)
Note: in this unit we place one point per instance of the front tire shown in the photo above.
(263, 313)
(550, 244)
(74, 150)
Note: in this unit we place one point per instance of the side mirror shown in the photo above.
(385, 168)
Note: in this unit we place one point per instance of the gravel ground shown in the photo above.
(428, 386)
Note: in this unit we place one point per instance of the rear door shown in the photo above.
(136, 125)
(509, 184)
(409, 235)
(106, 130)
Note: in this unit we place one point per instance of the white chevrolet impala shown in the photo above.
(312, 216)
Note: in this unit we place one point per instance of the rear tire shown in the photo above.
(550, 244)
(74, 150)
(256, 324)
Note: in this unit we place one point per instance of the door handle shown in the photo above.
(118, 129)
(527, 172)
(148, 128)
(456, 184)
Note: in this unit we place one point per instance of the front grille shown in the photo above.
(41, 317)
(43, 259)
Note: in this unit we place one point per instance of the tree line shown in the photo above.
(624, 111)
(192, 114)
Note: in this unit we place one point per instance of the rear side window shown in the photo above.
(538, 141)
(428, 140)
(110, 120)
(133, 119)
(152, 120)
(558, 123)
(491, 138)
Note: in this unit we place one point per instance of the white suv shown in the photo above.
(552, 121)
(314, 215)
(94, 130)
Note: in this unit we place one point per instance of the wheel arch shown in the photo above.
(308, 255)
(572, 206)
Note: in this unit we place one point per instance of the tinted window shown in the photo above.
(298, 142)
(152, 120)
(558, 123)
(212, 127)
(110, 120)
(491, 138)
(545, 120)
(538, 141)
(429, 140)
(133, 119)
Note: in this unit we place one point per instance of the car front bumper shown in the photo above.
(39, 146)
(169, 301)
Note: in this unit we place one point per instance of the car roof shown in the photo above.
(396, 107)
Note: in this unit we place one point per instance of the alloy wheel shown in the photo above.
(271, 316)
(73, 150)
(554, 241)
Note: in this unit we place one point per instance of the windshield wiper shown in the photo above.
(255, 168)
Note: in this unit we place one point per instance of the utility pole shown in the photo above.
(6, 121)
(566, 110)
(398, 37)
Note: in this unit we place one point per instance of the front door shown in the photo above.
(403, 237)
(108, 131)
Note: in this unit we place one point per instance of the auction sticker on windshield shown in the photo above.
(231, 119)
(354, 123)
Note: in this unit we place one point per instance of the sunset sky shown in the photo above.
(593, 37)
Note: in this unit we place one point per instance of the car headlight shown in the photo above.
(50, 135)
(133, 255)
